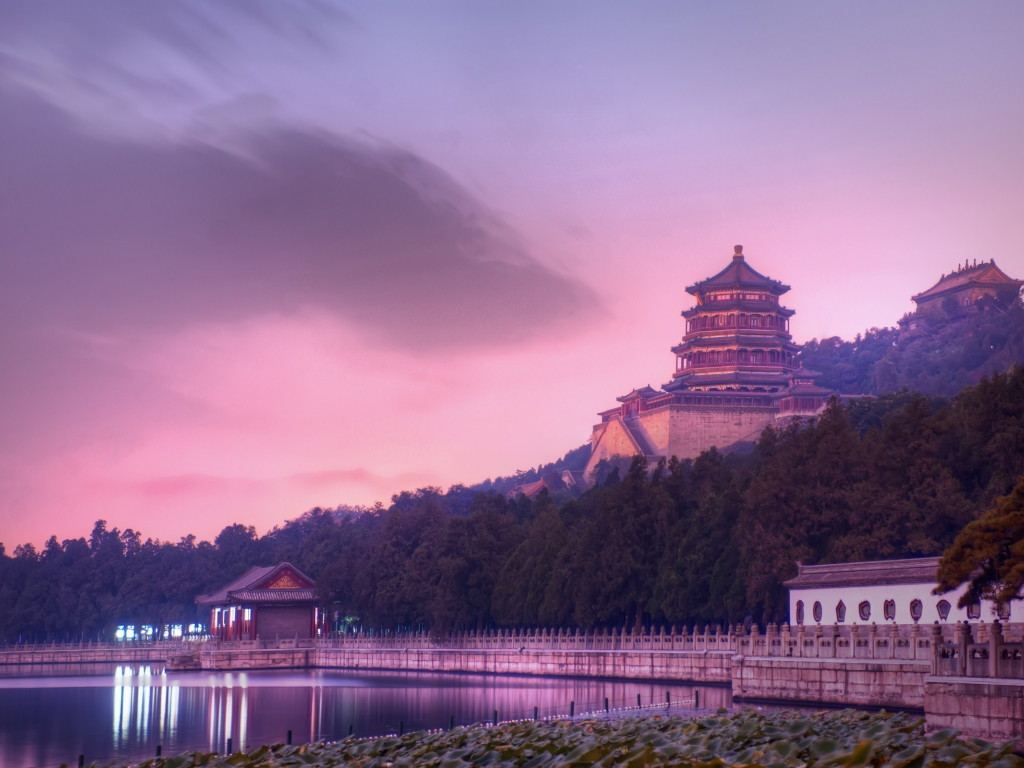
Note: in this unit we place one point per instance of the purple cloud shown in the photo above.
(99, 234)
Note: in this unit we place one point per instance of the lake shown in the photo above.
(50, 714)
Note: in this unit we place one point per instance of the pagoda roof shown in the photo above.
(281, 583)
(986, 274)
(741, 274)
(640, 394)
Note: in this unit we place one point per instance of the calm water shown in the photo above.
(50, 714)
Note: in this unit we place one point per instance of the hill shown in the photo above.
(952, 352)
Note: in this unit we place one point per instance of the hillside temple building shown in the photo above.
(735, 373)
(971, 288)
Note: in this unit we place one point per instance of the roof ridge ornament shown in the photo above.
(737, 253)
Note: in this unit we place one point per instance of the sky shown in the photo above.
(258, 257)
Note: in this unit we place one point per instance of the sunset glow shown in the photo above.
(260, 257)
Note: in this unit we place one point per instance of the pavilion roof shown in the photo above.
(741, 274)
(283, 580)
(529, 490)
(918, 570)
(986, 274)
(273, 596)
(640, 394)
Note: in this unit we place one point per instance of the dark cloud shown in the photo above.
(102, 235)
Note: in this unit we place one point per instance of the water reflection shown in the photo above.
(126, 711)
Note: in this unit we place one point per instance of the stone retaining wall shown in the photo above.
(125, 654)
(294, 658)
(690, 666)
(898, 684)
(976, 706)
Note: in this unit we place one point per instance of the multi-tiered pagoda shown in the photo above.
(736, 372)
(737, 336)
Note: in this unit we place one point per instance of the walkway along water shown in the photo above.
(968, 676)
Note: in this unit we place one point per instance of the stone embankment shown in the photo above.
(970, 677)
(92, 653)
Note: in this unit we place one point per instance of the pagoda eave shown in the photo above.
(769, 380)
(698, 340)
(754, 307)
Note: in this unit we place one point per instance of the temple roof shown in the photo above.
(739, 273)
(529, 490)
(919, 570)
(640, 394)
(283, 582)
(274, 596)
(986, 274)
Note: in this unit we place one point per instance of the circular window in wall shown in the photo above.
(799, 611)
(864, 610)
(943, 607)
(840, 612)
(916, 609)
(817, 611)
(889, 610)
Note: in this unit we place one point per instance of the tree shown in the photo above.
(988, 555)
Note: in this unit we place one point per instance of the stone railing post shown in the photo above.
(801, 635)
(936, 638)
(754, 637)
(873, 639)
(894, 638)
(963, 639)
(915, 633)
(787, 637)
(995, 642)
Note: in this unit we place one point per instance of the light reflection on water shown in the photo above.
(52, 713)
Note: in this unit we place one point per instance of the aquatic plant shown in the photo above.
(779, 740)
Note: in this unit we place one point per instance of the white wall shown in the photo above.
(829, 597)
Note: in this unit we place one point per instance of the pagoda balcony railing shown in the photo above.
(730, 331)
(740, 367)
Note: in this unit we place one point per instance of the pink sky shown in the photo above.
(256, 258)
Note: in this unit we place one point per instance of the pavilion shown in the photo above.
(276, 601)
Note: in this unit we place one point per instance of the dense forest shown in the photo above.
(707, 540)
(951, 352)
